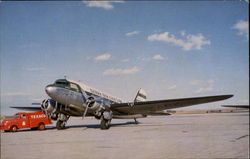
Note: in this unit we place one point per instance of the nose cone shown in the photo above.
(50, 90)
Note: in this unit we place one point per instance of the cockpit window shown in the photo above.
(16, 116)
(68, 85)
(62, 83)
(23, 116)
(74, 87)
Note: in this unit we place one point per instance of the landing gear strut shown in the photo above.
(105, 124)
(106, 120)
(136, 122)
(61, 121)
(60, 125)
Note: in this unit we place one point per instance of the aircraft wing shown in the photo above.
(149, 107)
(28, 108)
(236, 106)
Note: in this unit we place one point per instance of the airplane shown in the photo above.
(71, 98)
(237, 106)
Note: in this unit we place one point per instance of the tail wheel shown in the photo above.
(41, 126)
(13, 128)
(104, 124)
(60, 125)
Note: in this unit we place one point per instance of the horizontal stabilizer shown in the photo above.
(28, 108)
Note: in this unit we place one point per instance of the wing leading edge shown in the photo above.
(149, 107)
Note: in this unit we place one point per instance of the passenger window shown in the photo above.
(23, 116)
(74, 87)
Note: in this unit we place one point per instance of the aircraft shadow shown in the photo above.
(97, 126)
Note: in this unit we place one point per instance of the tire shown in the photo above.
(60, 125)
(41, 126)
(104, 124)
(13, 128)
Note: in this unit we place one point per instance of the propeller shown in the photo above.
(44, 104)
(86, 109)
(85, 101)
(89, 101)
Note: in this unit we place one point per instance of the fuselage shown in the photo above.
(72, 94)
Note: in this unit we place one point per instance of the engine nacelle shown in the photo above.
(49, 106)
(108, 115)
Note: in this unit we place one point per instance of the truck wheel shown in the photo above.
(41, 126)
(13, 128)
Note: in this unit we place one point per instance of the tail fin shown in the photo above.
(140, 96)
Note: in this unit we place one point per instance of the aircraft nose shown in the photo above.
(50, 90)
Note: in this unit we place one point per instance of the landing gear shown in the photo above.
(61, 121)
(60, 125)
(54, 116)
(105, 124)
(106, 120)
(136, 122)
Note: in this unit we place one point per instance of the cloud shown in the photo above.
(183, 32)
(125, 60)
(205, 89)
(199, 82)
(243, 28)
(190, 42)
(103, 57)
(205, 85)
(120, 71)
(132, 33)
(172, 87)
(101, 4)
(158, 57)
(35, 69)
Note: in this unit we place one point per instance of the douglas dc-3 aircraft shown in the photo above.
(70, 98)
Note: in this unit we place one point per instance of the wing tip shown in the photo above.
(228, 96)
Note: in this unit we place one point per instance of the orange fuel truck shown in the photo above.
(22, 120)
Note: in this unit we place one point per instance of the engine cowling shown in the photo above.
(49, 106)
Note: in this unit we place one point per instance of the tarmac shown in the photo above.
(219, 135)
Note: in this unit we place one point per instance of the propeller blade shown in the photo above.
(85, 111)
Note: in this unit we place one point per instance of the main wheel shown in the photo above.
(41, 126)
(60, 125)
(104, 124)
(13, 128)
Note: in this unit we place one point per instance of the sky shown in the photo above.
(170, 49)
